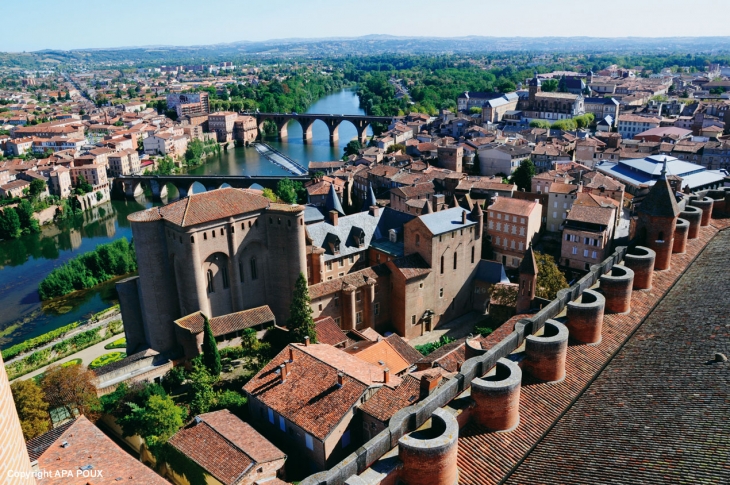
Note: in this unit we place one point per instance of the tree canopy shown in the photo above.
(522, 177)
(300, 321)
(211, 357)
(32, 408)
(550, 279)
(71, 387)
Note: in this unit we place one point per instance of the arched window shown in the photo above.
(192, 239)
(224, 274)
(442, 265)
(211, 288)
(418, 239)
(254, 273)
(205, 236)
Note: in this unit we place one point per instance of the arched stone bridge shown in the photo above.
(360, 122)
(133, 185)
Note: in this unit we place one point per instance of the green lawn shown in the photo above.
(117, 344)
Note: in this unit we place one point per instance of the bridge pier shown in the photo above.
(183, 190)
(362, 131)
(133, 189)
(283, 130)
(306, 124)
(159, 190)
(334, 125)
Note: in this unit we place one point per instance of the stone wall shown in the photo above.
(14, 462)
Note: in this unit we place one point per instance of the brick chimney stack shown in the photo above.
(306, 341)
(386, 375)
(340, 378)
(334, 216)
(428, 384)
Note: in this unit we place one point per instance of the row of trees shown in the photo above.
(90, 269)
(572, 124)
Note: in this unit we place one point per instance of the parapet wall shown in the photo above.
(413, 417)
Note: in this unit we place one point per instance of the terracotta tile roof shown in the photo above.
(377, 352)
(38, 445)
(369, 334)
(328, 332)
(410, 354)
(516, 207)
(563, 188)
(486, 458)
(309, 396)
(597, 180)
(414, 191)
(387, 401)
(205, 207)
(130, 359)
(224, 446)
(658, 412)
(594, 200)
(357, 279)
(88, 446)
(231, 322)
(411, 266)
(593, 215)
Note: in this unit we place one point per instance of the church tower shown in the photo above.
(528, 281)
(534, 87)
(658, 219)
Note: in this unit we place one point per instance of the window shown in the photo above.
(512, 244)
(515, 262)
(211, 288)
(575, 250)
(358, 318)
(341, 262)
(499, 226)
(522, 231)
(222, 231)
(358, 296)
(308, 441)
(455, 256)
(212, 233)
(453, 234)
(418, 240)
(498, 240)
(514, 218)
(377, 309)
(442, 265)
(506, 228)
(282, 424)
(377, 257)
(224, 274)
(254, 273)
(413, 319)
(441, 292)
(555, 204)
(522, 220)
(555, 215)
(205, 236)
(346, 439)
(499, 216)
(521, 246)
(491, 224)
(337, 300)
(328, 264)
(585, 253)
(352, 259)
(472, 254)
(240, 271)
(337, 321)
(271, 416)
(514, 229)
(593, 255)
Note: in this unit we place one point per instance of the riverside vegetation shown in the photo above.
(90, 269)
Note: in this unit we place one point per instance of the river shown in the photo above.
(26, 261)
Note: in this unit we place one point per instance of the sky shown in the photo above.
(78, 24)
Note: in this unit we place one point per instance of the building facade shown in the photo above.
(512, 225)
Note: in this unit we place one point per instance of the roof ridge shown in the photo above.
(334, 367)
(202, 420)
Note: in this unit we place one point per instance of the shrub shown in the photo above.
(117, 344)
(106, 359)
(426, 349)
(174, 378)
(38, 341)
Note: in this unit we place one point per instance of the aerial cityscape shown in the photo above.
(277, 244)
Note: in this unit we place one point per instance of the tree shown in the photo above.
(71, 387)
(201, 394)
(83, 186)
(476, 168)
(286, 191)
(269, 194)
(565, 125)
(37, 187)
(32, 409)
(550, 279)
(156, 422)
(395, 148)
(211, 357)
(522, 177)
(9, 224)
(475, 110)
(505, 295)
(549, 85)
(353, 148)
(300, 321)
(540, 124)
(28, 223)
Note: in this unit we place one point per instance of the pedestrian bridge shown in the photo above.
(134, 185)
(360, 122)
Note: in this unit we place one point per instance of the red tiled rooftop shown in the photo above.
(486, 458)
(231, 322)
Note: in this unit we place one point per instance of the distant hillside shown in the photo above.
(368, 45)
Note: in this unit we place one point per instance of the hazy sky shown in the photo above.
(75, 24)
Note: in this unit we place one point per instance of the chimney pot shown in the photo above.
(340, 378)
(334, 216)
(463, 217)
(306, 341)
(386, 375)
(374, 210)
(291, 354)
(282, 372)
